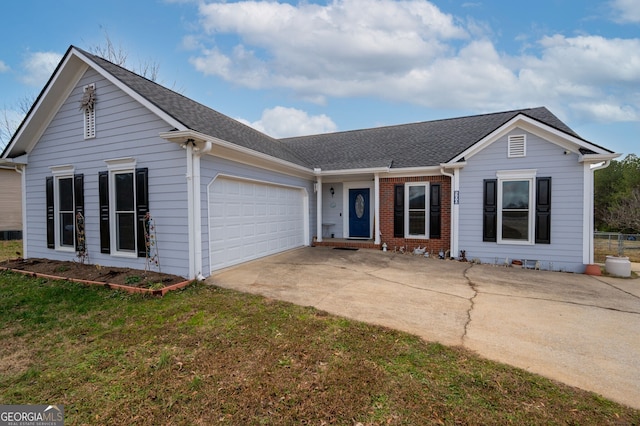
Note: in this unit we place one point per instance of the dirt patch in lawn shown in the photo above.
(106, 274)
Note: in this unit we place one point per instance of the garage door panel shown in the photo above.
(248, 220)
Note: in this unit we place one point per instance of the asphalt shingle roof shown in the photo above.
(198, 117)
(428, 143)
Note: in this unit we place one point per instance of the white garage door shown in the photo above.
(248, 220)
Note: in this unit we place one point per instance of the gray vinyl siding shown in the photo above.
(124, 128)
(211, 167)
(565, 250)
(332, 213)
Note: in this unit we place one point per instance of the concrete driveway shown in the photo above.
(578, 329)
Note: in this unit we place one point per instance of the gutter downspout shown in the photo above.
(588, 218)
(188, 145)
(455, 186)
(21, 169)
(198, 151)
(376, 208)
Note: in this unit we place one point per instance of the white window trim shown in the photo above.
(61, 172)
(116, 166)
(124, 163)
(517, 175)
(517, 146)
(427, 204)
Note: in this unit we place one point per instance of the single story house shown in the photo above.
(102, 150)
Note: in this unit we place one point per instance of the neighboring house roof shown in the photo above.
(424, 144)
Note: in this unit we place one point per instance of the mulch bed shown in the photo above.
(128, 279)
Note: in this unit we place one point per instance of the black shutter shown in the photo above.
(490, 210)
(51, 238)
(142, 207)
(398, 211)
(78, 200)
(434, 211)
(103, 191)
(543, 210)
(78, 193)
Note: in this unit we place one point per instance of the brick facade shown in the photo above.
(433, 246)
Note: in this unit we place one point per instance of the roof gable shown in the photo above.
(557, 134)
(177, 110)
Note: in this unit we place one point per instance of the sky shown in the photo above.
(292, 68)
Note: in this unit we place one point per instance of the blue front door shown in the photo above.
(359, 213)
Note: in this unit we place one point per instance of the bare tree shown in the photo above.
(7, 127)
(109, 51)
(9, 124)
(625, 213)
(119, 56)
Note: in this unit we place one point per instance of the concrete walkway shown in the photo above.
(578, 329)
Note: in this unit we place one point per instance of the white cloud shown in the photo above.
(4, 67)
(626, 11)
(410, 51)
(281, 122)
(605, 111)
(39, 66)
(347, 40)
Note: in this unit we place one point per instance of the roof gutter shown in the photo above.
(21, 160)
(371, 170)
(209, 142)
(455, 165)
(597, 158)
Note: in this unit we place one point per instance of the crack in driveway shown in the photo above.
(568, 302)
(473, 287)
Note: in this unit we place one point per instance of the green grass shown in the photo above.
(9, 249)
(206, 355)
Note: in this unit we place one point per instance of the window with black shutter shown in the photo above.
(51, 222)
(517, 208)
(435, 220)
(124, 204)
(64, 199)
(103, 195)
(543, 210)
(490, 210)
(398, 211)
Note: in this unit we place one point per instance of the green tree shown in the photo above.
(616, 188)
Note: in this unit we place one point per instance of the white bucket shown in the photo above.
(617, 265)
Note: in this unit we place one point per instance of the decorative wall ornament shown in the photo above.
(88, 101)
(151, 248)
(81, 243)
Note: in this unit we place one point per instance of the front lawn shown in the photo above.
(10, 249)
(206, 356)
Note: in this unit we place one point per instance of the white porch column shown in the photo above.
(376, 208)
(455, 211)
(319, 209)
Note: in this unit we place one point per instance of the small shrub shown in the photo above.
(132, 279)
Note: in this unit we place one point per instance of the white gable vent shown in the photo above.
(89, 124)
(517, 146)
(87, 105)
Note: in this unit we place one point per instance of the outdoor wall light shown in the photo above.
(332, 191)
